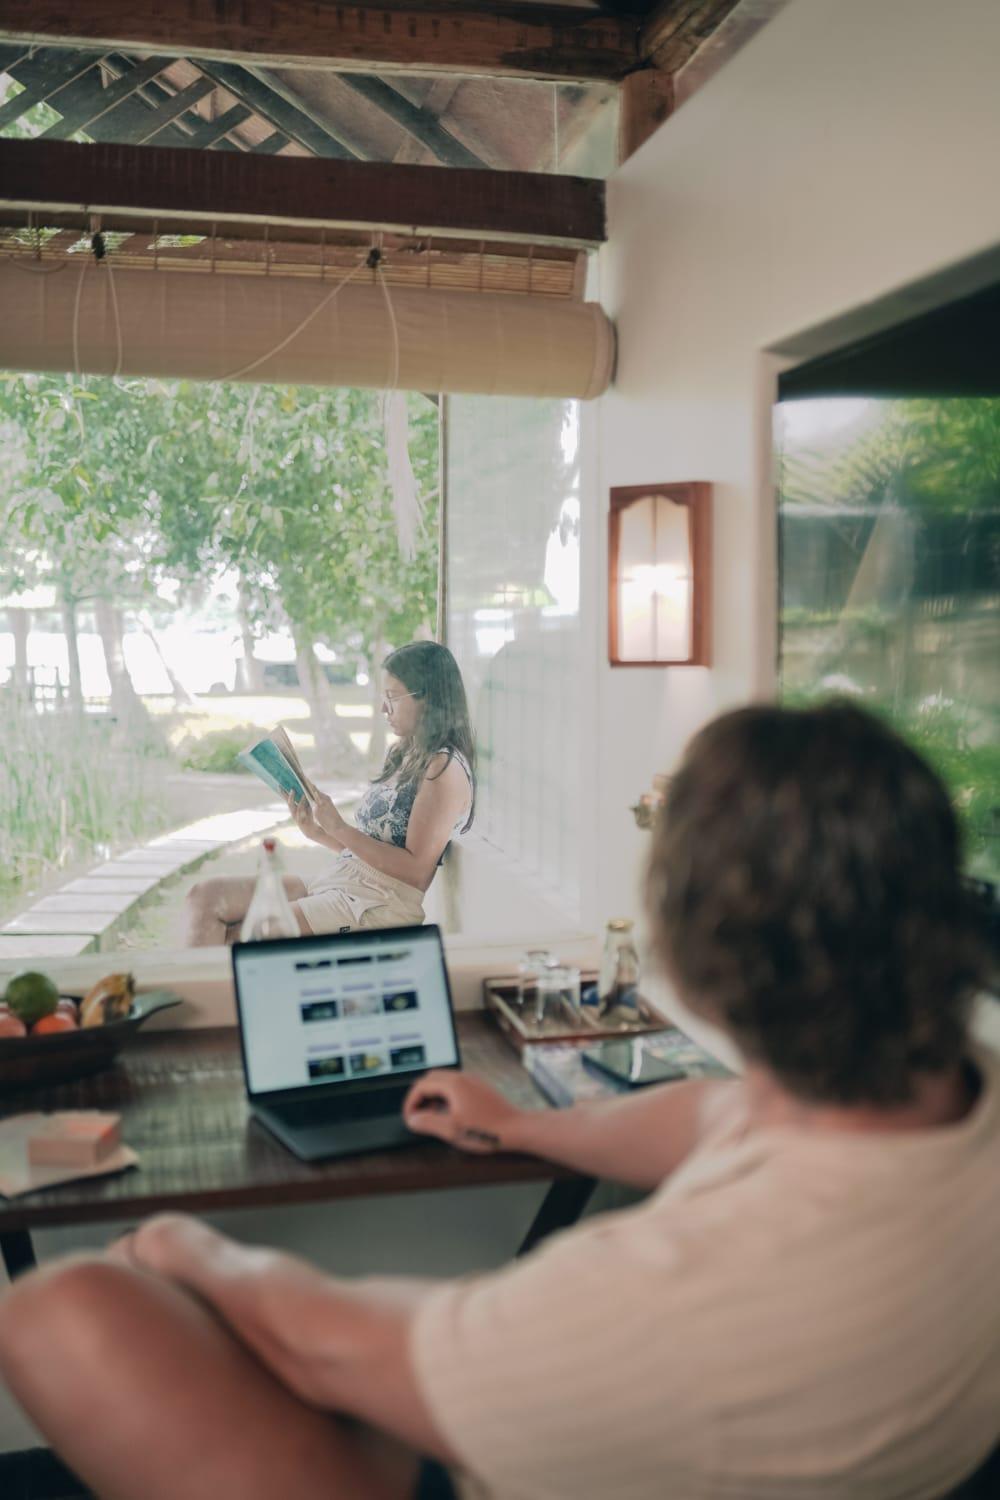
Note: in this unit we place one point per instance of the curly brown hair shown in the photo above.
(805, 893)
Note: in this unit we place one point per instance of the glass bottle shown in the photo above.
(618, 984)
(269, 914)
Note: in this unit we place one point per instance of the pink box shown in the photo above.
(73, 1139)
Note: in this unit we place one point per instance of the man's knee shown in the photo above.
(60, 1312)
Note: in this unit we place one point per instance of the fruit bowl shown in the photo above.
(36, 1061)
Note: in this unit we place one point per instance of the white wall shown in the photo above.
(516, 473)
(844, 152)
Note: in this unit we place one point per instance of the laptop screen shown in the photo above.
(344, 1008)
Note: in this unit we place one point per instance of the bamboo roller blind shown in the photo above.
(209, 327)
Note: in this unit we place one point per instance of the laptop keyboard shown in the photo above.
(323, 1111)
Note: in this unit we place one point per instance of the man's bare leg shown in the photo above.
(146, 1395)
(214, 909)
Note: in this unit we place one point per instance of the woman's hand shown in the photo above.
(462, 1110)
(327, 815)
(319, 822)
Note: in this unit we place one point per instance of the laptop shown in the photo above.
(334, 1030)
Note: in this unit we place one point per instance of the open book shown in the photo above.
(274, 760)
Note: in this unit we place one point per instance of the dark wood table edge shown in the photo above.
(405, 1171)
(463, 1172)
(565, 1200)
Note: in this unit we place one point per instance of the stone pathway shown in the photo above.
(88, 914)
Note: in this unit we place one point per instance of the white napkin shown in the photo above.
(17, 1177)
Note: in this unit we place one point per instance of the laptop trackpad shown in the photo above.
(338, 1137)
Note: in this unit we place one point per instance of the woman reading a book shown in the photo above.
(386, 859)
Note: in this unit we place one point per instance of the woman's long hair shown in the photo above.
(430, 673)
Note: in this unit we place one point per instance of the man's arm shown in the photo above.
(341, 1346)
(637, 1139)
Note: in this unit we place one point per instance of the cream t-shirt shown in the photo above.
(792, 1316)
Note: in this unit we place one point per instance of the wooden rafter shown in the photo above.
(72, 86)
(172, 109)
(277, 105)
(535, 41)
(43, 79)
(212, 186)
(673, 31)
(211, 132)
(418, 122)
(101, 101)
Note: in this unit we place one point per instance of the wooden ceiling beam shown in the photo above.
(216, 186)
(672, 32)
(533, 41)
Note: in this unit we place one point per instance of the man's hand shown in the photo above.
(462, 1110)
(173, 1246)
(342, 1346)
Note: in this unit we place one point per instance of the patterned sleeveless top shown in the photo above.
(384, 811)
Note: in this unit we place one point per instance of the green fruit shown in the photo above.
(31, 996)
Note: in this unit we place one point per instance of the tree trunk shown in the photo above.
(377, 744)
(334, 748)
(125, 701)
(251, 675)
(20, 624)
(67, 606)
(182, 697)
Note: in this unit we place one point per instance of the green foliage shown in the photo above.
(217, 750)
(288, 486)
(71, 783)
(121, 484)
(929, 456)
(922, 460)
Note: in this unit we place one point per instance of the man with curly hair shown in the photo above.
(806, 1305)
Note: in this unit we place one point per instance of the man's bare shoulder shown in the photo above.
(720, 1104)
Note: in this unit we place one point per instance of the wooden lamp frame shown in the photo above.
(696, 496)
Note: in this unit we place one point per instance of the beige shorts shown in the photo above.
(350, 896)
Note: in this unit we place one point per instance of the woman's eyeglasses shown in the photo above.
(389, 700)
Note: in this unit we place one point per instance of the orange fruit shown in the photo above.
(58, 1021)
(11, 1025)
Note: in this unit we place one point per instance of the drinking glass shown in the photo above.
(558, 991)
(533, 964)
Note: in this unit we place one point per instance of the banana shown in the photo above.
(109, 1000)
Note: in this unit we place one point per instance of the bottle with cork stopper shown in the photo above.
(269, 914)
(618, 983)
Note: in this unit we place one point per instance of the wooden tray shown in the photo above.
(500, 1002)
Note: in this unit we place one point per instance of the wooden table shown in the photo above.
(184, 1110)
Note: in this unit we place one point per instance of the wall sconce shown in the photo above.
(659, 561)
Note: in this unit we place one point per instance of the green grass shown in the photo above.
(73, 785)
